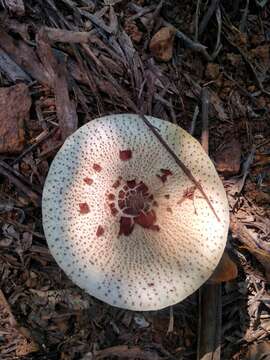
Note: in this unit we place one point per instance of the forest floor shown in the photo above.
(64, 63)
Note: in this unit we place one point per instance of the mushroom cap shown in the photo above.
(122, 219)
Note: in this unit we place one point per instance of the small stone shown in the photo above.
(161, 44)
(228, 158)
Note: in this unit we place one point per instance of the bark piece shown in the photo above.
(209, 335)
(15, 103)
(228, 159)
(57, 73)
(11, 70)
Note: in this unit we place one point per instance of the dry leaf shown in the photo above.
(259, 351)
(25, 347)
(225, 271)
(161, 44)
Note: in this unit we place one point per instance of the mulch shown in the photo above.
(64, 63)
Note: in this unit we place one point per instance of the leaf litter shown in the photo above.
(92, 59)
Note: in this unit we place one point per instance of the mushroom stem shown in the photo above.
(180, 163)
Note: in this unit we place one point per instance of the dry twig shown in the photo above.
(209, 327)
(35, 198)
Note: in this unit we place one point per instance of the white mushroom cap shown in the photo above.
(120, 218)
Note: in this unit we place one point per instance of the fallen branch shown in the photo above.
(210, 322)
(209, 13)
(67, 36)
(209, 327)
(126, 352)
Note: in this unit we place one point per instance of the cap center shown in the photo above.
(133, 201)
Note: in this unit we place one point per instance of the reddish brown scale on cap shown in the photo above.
(114, 211)
(169, 210)
(84, 208)
(126, 226)
(121, 204)
(155, 203)
(164, 174)
(125, 155)
(97, 167)
(121, 194)
(111, 196)
(146, 219)
(116, 184)
(88, 180)
(100, 231)
(131, 184)
(167, 196)
(154, 228)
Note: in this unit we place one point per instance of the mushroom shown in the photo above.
(125, 222)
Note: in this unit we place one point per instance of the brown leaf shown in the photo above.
(225, 271)
(259, 351)
(161, 44)
(15, 103)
